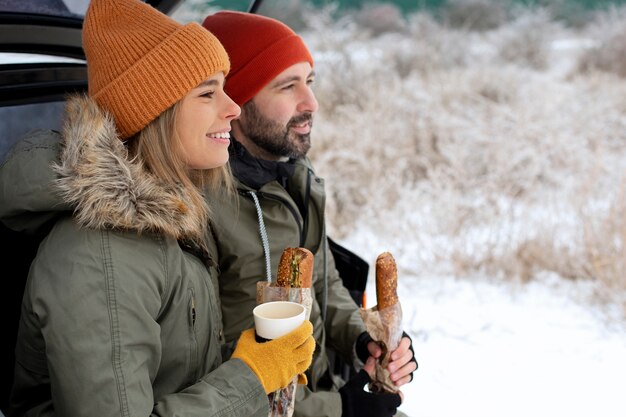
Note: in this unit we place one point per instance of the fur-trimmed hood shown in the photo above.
(109, 190)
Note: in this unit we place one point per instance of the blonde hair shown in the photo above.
(158, 147)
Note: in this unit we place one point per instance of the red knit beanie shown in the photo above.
(259, 48)
(140, 61)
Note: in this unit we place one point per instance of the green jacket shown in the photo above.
(291, 217)
(118, 318)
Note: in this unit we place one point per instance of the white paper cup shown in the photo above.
(277, 318)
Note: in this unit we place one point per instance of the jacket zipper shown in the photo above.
(193, 311)
(193, 347)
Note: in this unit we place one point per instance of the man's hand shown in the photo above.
(403, 362)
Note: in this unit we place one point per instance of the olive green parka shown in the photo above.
(119, 317)
(251, 230)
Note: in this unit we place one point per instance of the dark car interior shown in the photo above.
(32, 94)
(31, 97)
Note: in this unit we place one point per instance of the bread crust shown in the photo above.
(295, 269)
(386, 281)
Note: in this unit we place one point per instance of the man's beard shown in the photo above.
(271, 136)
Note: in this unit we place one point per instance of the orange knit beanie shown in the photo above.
(140, 61)
(259, 48)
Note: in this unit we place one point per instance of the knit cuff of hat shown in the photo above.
(265, 66)
(162, 77)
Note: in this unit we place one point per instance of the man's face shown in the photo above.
(279, 118)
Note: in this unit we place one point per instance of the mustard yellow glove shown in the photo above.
(277, 362)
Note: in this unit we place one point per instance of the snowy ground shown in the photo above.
(492, 350)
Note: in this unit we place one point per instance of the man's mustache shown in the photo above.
(297, 120)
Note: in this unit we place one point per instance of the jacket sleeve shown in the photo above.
(317, 404)
(102, 340)
(30, 159)
(343, 322)
(232, 389)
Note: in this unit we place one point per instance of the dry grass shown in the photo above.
(380, 18)
(609, 53)
(467, 151)
(478, 15)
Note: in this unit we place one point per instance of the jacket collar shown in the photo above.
(110, 190)
(254, 172)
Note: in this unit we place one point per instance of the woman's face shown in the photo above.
(203, 124)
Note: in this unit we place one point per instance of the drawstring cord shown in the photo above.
(266, 247)
(264, 239)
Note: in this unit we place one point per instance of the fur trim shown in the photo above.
(107, 188)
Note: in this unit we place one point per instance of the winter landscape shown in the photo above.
(484, 146)
(486, 149)
(491, 163)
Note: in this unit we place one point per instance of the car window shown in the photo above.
(41, 61)
(61, 8)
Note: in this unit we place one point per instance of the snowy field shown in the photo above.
(491, 349)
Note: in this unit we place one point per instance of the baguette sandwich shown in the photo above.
(295, 269)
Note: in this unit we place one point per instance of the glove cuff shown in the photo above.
(355, 384)
(360, 347)
(346, 408)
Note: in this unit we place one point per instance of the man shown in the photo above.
(279, 203)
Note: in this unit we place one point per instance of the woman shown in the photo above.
(120, 315)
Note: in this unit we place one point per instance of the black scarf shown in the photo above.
(254, 172)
